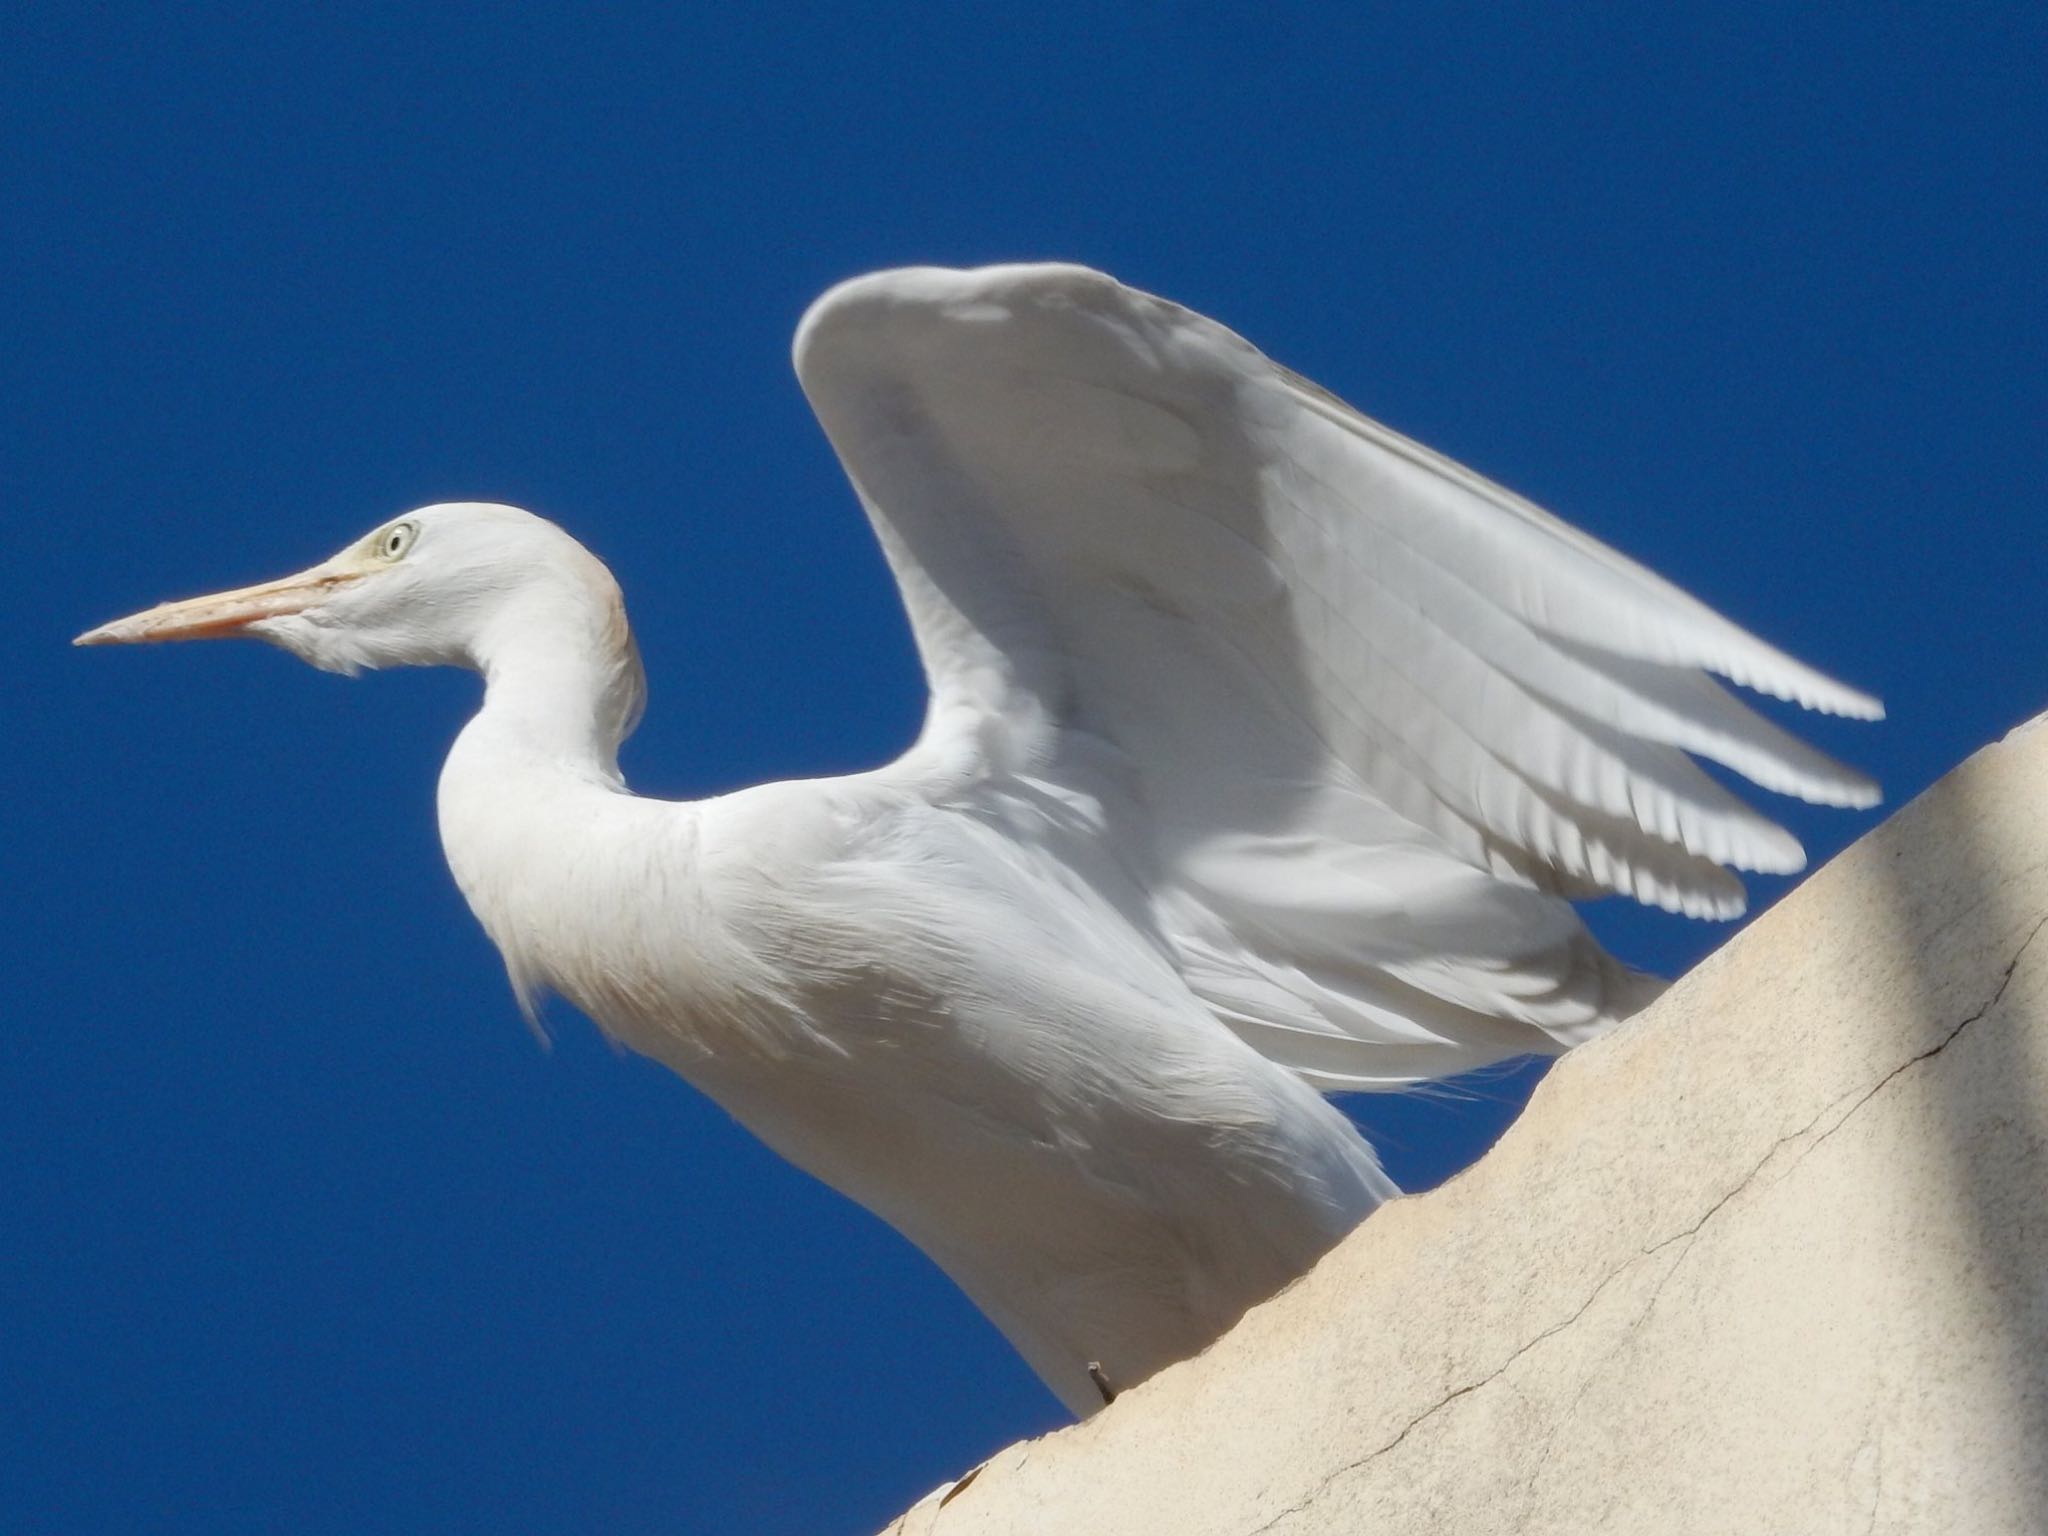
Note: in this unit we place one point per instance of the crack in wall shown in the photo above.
(1587, 1381)
(1855, 1100)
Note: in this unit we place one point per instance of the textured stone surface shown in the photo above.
(1771, 1258)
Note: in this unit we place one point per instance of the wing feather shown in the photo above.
(1373, 719)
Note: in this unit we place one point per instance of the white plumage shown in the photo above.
(1265, 751)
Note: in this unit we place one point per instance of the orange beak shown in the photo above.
(222, 614)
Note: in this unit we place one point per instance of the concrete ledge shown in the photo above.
(1771, 1258)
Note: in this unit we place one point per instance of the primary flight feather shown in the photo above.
(1266, 751)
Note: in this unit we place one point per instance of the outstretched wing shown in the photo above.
(1374, 718)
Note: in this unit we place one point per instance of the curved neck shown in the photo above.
(562, 678)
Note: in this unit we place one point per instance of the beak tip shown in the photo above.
(113, 632)
(221, 614)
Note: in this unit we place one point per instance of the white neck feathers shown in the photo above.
(562, 676)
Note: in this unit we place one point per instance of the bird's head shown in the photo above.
(435, 587)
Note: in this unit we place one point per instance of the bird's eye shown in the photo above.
(394, 541)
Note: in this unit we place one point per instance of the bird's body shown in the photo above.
(898, 984)
(1265, 751)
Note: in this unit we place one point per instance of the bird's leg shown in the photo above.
(960, 1483)
(1101, 1382)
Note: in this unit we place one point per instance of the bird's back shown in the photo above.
(947, 1023)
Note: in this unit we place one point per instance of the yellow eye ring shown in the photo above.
(393, 542)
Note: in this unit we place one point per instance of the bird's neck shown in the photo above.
(563, 685)
(534, 817)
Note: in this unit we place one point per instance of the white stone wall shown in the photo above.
(1772, 1258)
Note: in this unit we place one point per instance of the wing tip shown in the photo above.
(1840, 787)
(869, 297)
(1796, 683)
(1846, 702)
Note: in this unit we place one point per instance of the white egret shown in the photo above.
(1266, 750)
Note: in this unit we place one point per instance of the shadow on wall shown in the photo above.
(1988, 1135)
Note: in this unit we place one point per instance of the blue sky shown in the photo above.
(302, 1230)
